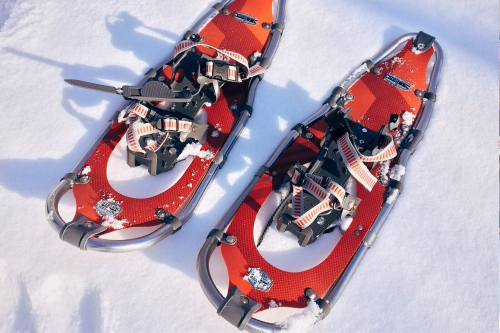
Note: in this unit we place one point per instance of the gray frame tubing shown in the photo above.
(333, 294)
(186, 210)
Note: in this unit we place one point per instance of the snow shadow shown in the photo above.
(90, 312)
(24, 320)
(291, 104)
(126, 36)
(43, 173)
(467, 36)
(5, 11)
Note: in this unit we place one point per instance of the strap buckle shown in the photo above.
(222, 71)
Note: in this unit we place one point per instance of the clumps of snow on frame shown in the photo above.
(408, 118)
(384, 168)
(354, 75)
(397, 172)
(415, 50)
(284, 191)
(303, 322)
(194, 149)
(393, 194)
(397, 60)
(86, 170)
(123, 115)
(272, 304)
(345, 223)
(112, 222)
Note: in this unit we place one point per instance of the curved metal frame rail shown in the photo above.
(186, 210)
(335, 291)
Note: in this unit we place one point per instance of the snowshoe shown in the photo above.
(328, 187)
(179, 122)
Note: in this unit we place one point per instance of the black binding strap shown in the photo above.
(396, 185)
(425, 95)
(411, 141)
(274, 26)
(221, 9)
(336, 94)
(76, 178)
(423, 41)
(262, 170)
(78, 231)
(222, 237)
(246, 108)
(312, 296)
(237, 308)
(166, 218)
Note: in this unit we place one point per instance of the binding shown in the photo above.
(318, 200)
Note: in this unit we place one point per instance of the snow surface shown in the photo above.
(430, 269)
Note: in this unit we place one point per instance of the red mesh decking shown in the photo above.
(223, 32)
(374, 101)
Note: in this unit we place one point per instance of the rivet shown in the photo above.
(309, 135)
(231, 239)
(161, 78)
(384, 180)
(310, 294)
(360, 227)
(420, 46)
(226, 11)
(194, 129)
(172, 150)
(161, 214)
(320, 220)
(88, 224)
(356, 232)
(233, 106)
(244, 300)
(377, 71)
(84, 178)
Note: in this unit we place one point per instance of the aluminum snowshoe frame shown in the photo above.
(84, 234)
(241, 318)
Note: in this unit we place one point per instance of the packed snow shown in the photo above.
(397, 172)
(429, 270)
(302, 322)
(392, 195)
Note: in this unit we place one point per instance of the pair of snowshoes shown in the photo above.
(336, 175)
